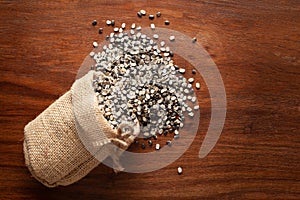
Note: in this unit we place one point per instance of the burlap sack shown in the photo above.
(71, 137)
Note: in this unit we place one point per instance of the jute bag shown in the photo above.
(71, 137)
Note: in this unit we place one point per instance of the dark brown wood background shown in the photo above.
(256, 46)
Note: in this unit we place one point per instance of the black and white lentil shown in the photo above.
(155, 104)
(94, 22)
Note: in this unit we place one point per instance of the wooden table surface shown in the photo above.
(255, 45)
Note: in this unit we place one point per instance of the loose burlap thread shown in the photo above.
(59, 145)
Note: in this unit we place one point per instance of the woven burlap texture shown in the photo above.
(59, 145)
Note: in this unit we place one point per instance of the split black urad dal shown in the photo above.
(138, 81)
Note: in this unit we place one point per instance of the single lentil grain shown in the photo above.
(181, 70)
(179, 170)
(108, 22)
(143, 12)
(95, 44)
(151, 17)
(100, 30)
(172, 38)
(194, 40)
(143, 146)
(169, 143)
(191, 80)
(139, 14)
(152, 26)
(94, 23)
(157, 146)
(138, 28)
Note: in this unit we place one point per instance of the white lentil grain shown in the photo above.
(172, 38)
(155, 36)
(152, 26)
(143, 12)
(95, 44)
(157, 146)
(138, 28)
(108, 22)
(179, 170)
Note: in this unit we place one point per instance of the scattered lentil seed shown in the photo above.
(167, 22)
(181, 70)
(155, 36)
(152, 26)
(193, 71)
(138, 28)
(116, 29)
(100, 30)
(143, 146)
(194, 40)
(158, 14)
(108, 22)
(154, 137)
(139, 14)
(172, 38)
(160, 131)
(179, 170)
(112, 22)
(133, 25)
(150, 142)
(143, 12)
(176, 132)
(123, 25)
(94, 23)
(157, 146)
(151, 17)
(193, 99)
(198, 86)
(196, 107)
(92, 54)
(191, 80)
(169, 143)
(95, 44)
(176, 136)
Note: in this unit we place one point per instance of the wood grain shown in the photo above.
(255, 45)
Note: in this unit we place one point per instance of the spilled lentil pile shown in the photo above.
(137, 80)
